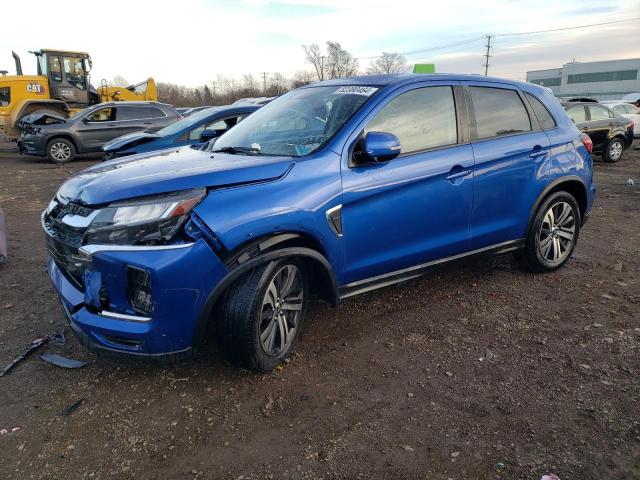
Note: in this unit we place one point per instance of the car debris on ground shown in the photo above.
(37, 343)
(62, 362)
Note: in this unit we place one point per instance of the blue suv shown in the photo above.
(333, 189)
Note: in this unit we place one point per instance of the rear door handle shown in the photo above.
(538, 152)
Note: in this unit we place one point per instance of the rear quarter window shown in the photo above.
(5, 96)
(498, 112)
(544, 116)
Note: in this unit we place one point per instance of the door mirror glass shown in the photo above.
(377, 147)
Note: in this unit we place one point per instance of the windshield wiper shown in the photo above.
(234, 150)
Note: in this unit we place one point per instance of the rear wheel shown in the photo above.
(60, 150)
(553, 235)
(614, 151)
(261, 315)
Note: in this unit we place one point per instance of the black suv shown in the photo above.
(59, 139)
(610, 133)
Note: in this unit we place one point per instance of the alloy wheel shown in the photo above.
(557, 232)
(60, 151)
(281, 310)
(615, 151)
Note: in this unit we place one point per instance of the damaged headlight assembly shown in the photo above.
(147, 221)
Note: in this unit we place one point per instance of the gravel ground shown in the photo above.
(480, 371)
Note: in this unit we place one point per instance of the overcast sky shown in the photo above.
(191, 41)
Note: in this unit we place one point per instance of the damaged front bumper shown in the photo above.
(100, 310)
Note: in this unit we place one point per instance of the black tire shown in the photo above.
(614, 150)
(60, 150)
(242, 315)
(544, 240)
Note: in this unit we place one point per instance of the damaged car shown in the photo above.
(47, 134)
(331, 190)
(196, 129)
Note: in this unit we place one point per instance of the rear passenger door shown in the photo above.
(133, 118)
(601, 121)
(415, 208)
(510, 171)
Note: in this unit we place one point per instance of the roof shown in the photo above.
(404, 78)
(69, 52)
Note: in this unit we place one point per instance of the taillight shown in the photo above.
(586, 140)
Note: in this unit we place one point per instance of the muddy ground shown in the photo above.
(479, 372)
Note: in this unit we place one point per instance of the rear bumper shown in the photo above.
(102, 319)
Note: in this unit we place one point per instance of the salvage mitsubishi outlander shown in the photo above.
(334, 189)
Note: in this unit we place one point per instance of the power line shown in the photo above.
(566, 28)
(475, 39)
(439, 47)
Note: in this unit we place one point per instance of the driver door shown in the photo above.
(415, 208)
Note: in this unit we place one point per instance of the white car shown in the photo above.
(626, 110)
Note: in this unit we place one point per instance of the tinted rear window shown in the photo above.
(599, 113)
(544, 116)
(139, 113)
(499, 112)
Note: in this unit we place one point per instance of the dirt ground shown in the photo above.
(475, 372)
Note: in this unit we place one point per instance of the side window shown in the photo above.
(620, 109)
(103, 115)
(223, 124)
(74, 71)
(54, 69)
(131, 112)
(421, 119)
(544, 116)
(599, 113)
(5, 96)
(577, 114)
(498, 112)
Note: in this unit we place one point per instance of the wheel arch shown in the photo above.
(66, 136)
(267, 249)
(573, 185)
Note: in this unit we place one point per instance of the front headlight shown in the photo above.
(151, 220)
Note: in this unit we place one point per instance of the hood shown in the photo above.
(129, 140)
(41, 118)
(169, 171)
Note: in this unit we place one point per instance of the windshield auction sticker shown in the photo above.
(356, 90)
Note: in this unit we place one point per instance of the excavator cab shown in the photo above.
(68, 75)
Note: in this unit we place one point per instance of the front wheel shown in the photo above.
(614, 151)
(60, 150)
(261, 314)
(553, 235)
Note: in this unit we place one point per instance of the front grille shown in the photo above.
(63, 241)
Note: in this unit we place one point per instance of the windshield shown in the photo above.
(297, 123)
(186, 122)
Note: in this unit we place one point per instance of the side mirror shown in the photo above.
(209, 134)
(379, 147)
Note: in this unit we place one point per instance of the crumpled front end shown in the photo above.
(140, 300)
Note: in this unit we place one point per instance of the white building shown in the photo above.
(608, 80)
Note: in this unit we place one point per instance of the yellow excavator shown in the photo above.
(61, 86)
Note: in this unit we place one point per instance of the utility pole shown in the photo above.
(322, 59)
(487, 55)
(264, 82)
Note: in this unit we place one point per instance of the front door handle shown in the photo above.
(457, 172)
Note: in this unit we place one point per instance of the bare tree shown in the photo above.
(277, 84)
(119, 81)
(301, 78)
(314, 57)
(250, 84)
(340, 63)
(388, 63)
